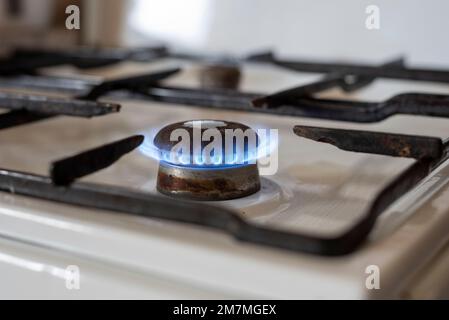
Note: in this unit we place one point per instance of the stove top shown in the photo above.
(86, 189)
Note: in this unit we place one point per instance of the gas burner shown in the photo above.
(221, 172)
(220, 76)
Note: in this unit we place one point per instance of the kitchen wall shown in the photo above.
(319, 28)
(35, 23)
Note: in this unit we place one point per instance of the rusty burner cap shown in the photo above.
(220, 76)
(205, 181)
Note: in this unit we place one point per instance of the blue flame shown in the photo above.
(265, 147)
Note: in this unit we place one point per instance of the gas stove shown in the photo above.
(357, 177)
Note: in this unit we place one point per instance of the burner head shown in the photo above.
(220, 77)
(208, 184)
(207, 173)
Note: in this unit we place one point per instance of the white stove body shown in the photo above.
(317, 188)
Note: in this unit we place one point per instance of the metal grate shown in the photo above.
(61, 185)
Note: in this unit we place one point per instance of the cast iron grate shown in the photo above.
(61, 186)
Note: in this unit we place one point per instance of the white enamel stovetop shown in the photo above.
(317, 188)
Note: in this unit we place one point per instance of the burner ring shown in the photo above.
(211, 184)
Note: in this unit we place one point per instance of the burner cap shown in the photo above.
(238, 143)
(229, 173)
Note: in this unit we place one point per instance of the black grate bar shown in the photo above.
(130, 83)
(390, 144)
(221, 99)
(65, 171)
(84, 106)
(93, 54)
(24, 61)
(16, 66)
(330, 81)
(284, 97)
(353, 83)
(402, 73)
(340, 110)
(121, 200)
(117, 199)
(56, 106)
(20, 117)
(433, 105)
(50, 83)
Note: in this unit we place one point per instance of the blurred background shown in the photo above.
(312, 29)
